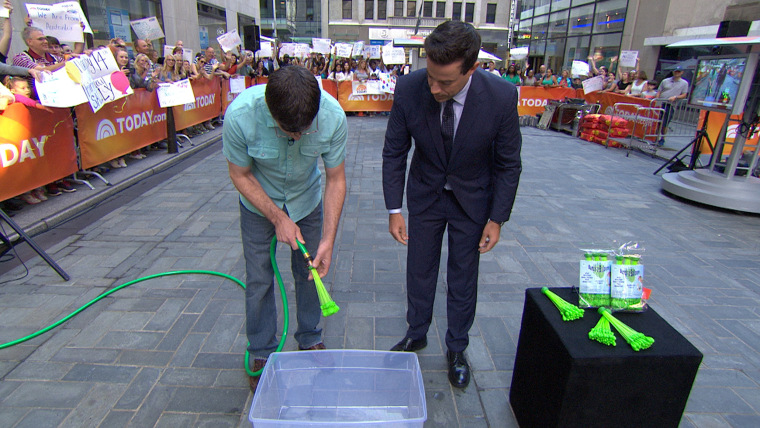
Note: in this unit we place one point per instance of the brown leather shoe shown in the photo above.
(318, 347)
(253, 381)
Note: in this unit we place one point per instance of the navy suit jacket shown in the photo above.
(485, 165)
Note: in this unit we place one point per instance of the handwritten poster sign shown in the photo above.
(73, 6)
(628, 58)
(237, 84)
(288, 49)
(580, 68)
(187, 54)
(321, 45)
(358, 48)
(387, 83)
(393, 55)
(373, 52)
(56, 21)
(58, 90)
(343, 50)
(229, 41)
(175, 94)
(594, 84)
(265, 51)
(302, 50)
(100, 77)
(369, 87)
(147, 28)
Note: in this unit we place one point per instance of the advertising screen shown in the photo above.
(717, 83)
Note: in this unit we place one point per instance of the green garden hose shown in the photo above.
(272, 250)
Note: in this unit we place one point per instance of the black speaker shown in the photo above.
(251, 37)
(733, 28)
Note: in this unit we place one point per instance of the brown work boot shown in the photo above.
(253, 381)
(318, 347)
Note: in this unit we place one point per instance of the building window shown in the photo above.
(265, 8)
(491, 13)
(427, 9)
(398, 8)
(309, 10)
(369, 9)
(610, 16)
(456, 14)
(469, 12)
(347, 12)
(382, 9)
(411, 9)
(440, 9)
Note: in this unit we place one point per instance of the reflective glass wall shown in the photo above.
(560, 31)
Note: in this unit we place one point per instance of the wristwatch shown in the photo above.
(500, 223)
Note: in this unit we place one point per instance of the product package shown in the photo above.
(594, 278)
(627, 279)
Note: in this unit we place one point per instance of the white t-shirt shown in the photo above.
(636, 90)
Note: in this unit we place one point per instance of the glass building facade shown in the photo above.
(557, 32)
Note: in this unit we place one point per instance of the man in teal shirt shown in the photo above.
(273, 136)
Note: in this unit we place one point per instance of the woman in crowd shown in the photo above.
(511, 75)
(140, 76)
(188, 70)
(201, 69)
(530, 79)
(549, 80)
(344, 73)
(624, 83)
(565, 81)
(609, 82)
(167, 74)
(362, 72)
(261, 71)
(230, 63)
(638, 86)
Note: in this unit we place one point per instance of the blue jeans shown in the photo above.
(260, 309)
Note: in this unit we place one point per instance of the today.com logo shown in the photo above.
(107, 129)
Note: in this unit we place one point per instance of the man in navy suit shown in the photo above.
(463, 178)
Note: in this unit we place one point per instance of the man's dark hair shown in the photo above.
(453, 41)
(52, 41)
(293, 95)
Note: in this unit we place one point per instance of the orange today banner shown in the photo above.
(36, 148)
(207, 105)
(350, 102)
(120, 127)
(533, 99)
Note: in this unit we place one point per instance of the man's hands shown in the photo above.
(490, 237)
(397, 227)
(322, 259)
(287, 231)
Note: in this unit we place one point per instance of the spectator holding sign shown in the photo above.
(37, 56)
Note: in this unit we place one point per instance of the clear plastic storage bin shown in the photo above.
(340, 388)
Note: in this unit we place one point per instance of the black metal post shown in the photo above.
(23, 236)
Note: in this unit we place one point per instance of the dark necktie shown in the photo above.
(447, 127)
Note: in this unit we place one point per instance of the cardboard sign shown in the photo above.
(393, 55)
(580, 68)
(58, 90)
(73, 6)
(56, 21)
(343, 50)
(175, 94)
(99, 76)
(265, 51)
(206, 105)
(628, 58)
(147, 28)
(518, 53)
(288, 49)
(229, 41)
(387, 83)
(237, 84)
(187, 54)
(594, 84)
(373, 52)
(302, 50)
(369, 87)
(358, 48)
(321, 45)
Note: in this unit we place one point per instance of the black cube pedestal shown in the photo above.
(563, 379)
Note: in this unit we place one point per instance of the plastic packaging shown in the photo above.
(594, 277)
(627, 279)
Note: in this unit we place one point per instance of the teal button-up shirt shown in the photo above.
(288, 172)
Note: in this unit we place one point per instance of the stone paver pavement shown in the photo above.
(169, 352)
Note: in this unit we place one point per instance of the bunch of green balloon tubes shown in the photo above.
(327, 305)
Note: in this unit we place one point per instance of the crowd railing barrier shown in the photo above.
(38, 146)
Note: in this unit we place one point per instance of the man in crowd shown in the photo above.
(463, 178)
(272, 139)
(145, 48)
(671, 89)
(37, 55)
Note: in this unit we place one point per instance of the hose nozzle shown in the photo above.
(326, 302)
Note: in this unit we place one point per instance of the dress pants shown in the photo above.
(423, 260)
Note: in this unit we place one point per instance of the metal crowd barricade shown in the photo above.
(683, 119)
(644, 125)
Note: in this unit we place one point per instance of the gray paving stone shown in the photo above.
(138, 389)
(145, 358)
(42, 417)
(130, 340)
(37, 370)
(49, 394)
(117, 419)
(94, 406)
(170, 420)
(208, 400)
